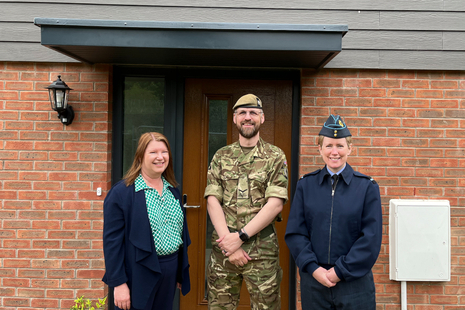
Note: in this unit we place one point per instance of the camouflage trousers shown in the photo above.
(262, 276)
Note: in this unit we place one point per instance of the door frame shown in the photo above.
(174, 120)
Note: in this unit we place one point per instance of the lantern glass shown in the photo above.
(58, 98)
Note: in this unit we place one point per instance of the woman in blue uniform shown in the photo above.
(145, 235)
(335, 227)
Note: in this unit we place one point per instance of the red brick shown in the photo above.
(16, 85)
(46, 205)
(455, 133)
(33, 155)
(18, 145)
(45, 225)
(460, 94)
(429, 172)
(444, 123)
(8, 135)
(78, 146)
(46, 303)
(61, 293)
(94, 96)
(7, 292)
(90, 254)
(12, 76)
(60, 274)
(319, 101)
(416, 103)
(14, 223)
(389, 102)
(76, 186)
(359, 102)
(90, 274)
(401, 132)
(45, 283)
(6, 253)
(401, 112)
(55, 125)
(16, 302)
(76, 224)
(32, 195)
(415, 84)
(27, 292)
(36, 116)
(17, 125)
(8, 95)
(386, 162)
(91, 234)
(445, 104)
(75, 263)
(315, 91)
(29, 254)
(46, 263)
(401, 93)
(7, 175)
(94, 77)
(59, 234)
(430, 133)
(65, 136)
(59, 255)
(34, 76)
(16, 263)
(48, 166)
(49, 146)
(17, 185)
(31, 234)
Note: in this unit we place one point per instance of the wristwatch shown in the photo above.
(243, 235)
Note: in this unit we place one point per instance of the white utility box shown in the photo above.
(419, 240)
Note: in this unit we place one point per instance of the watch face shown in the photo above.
(242, 236)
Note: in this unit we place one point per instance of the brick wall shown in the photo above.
(409, 134)
(50, 215)
(409, 130)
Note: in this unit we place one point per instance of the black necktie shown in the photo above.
(335, 177)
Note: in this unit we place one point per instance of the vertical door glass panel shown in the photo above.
(217, 138)
(143, 112)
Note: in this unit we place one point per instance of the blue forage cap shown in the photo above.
(335, 128)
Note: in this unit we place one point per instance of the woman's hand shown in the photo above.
(122, 297)
(229, 243)
(239, 258)
(321, 276)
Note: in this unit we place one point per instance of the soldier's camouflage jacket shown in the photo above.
(242, 183)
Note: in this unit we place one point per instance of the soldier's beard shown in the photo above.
(248, 132)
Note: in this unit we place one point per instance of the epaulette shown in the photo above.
(365, 176)
(311, 173)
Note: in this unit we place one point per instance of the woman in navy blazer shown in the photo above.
(141, 277)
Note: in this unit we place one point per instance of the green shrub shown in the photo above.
(81, 304)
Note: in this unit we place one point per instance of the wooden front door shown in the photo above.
(208, 125)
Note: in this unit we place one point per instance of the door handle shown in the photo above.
(184, 203)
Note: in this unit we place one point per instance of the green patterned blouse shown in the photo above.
(165, 215)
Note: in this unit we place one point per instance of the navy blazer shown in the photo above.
(128, 246)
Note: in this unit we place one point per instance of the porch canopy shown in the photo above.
(193, 44)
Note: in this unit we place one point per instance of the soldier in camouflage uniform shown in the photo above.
(246, 191)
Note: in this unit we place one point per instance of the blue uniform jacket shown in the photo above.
(343, 230)
(129, 249)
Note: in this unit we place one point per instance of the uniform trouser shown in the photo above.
(262, 276)
(354, 295)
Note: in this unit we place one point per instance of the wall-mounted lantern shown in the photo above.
(59, 93)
